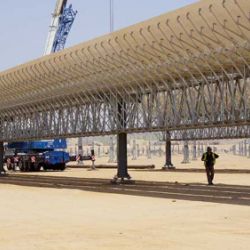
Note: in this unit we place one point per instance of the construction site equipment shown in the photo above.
(32, 156)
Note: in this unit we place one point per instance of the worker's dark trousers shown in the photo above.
(210, 173)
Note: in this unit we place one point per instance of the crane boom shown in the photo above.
(60, 4)
(62, 20)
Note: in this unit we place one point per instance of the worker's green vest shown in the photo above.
(205, 158)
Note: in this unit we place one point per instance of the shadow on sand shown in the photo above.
(196, 170)
(220, 193)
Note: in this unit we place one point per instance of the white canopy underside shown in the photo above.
(209, 37)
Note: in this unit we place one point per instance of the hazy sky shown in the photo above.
(24, 24)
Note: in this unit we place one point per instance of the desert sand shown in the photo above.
(33, 218)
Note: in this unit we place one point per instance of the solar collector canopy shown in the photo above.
(173, 50)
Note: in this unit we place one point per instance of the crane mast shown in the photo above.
(61, 22)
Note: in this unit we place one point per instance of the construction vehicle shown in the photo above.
(46, 154)
(37, 155)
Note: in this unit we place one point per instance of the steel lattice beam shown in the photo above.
(188, 69)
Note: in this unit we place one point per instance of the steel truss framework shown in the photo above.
(211, 133)
(187, 70)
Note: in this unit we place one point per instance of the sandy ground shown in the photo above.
(225, 161)
(53, 219)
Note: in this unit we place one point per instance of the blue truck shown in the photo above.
(37, 155)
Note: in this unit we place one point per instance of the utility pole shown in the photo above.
(111, 12)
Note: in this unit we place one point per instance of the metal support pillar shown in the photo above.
(76, 152)
(111, 150)
(134, 155)
(199, 149)
(245, 147)
(194, 152)
(138, 150)
(160, 151)
(173, 149)
(80, 148)
(168, 152)
(202, 148)
(149, 150)
(154, 150)
(241, 148)
(122, 154)
(99, 151)
(234, 149)
(2, 170)
(185, 152)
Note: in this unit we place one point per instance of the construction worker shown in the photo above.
(209, 159)
(93, 162)
(16, 162)
(33, 163)
(9, 163)
(79, 158)
(93, 159)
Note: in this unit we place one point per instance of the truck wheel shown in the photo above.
(28, 167)
(62, 167)
(9, 166)
(23, 166)
(20, 165)
(55, 167)
(37, 168)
